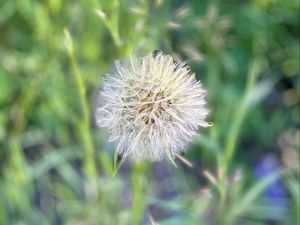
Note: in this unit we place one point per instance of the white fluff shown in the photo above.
(151, 107)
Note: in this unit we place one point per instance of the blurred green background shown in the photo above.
(56, 167)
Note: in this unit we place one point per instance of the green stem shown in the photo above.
(84, 122)
(111, 21)
(140, 188)
(16, 172)
(241, 110)
(213, 74)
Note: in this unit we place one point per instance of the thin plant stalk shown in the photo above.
(84, 122)
(17, 171)
(140, 184)
(241, 110)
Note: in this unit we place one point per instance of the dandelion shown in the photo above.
(152, 107)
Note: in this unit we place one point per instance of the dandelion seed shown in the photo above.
(152, 107)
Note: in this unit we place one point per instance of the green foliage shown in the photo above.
(56, 166)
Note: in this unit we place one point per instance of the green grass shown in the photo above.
(56, 166)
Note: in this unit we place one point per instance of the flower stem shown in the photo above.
(230, 147)
(84, 122)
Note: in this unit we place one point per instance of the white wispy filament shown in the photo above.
(152, 107)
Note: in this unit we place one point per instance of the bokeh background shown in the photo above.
(57, 168)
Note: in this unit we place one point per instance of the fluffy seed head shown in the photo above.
(151, 106)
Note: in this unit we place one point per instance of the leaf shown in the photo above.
(52, 160)
(251, 195)
(118, 161)
(258, 93)
(294, 188)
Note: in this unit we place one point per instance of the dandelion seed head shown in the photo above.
(152, 107)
